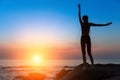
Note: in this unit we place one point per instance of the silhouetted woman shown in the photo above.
(85, 38)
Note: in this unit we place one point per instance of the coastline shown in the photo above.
(105, 69)
(86, 72)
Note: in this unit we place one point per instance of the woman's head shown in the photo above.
(85, 18)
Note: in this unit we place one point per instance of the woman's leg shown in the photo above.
(83, 49)
(89, 50)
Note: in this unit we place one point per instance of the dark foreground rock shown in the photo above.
(88, 72)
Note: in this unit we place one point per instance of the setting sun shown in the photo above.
(36, 59)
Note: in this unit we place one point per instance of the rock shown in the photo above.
(96, 72)
(62, 73)
(36, 76)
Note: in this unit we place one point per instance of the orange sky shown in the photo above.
(54, 51)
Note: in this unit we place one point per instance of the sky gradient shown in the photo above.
(51, 28)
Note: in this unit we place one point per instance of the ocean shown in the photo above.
(9, 69)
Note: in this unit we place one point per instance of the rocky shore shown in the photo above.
(88, 72)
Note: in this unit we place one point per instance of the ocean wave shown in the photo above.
(9, 73)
